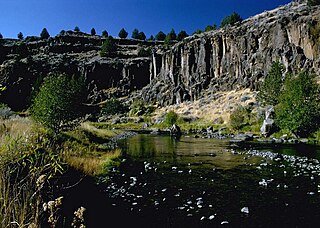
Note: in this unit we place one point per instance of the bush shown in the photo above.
(58, 105)
(198, 31)
(182, 34)
(299, 109)
(113, 107)
(123, 33)
(240, 117)
(76, 29)
(171, 118)
(210, 28)
(313, 2)
(160, 36)
(231, 19)
(44, 34)
(108, 47)
(144, 52)
(271, 87)
(139, 108)
(93, 32)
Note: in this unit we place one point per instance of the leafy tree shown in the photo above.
(1, 37)
(182, 34)
(135, 34)
(171, 118)
(58, 105)
(231, 19)
(104, 33)
(141, 36)
(20, 36)
(160, 36)
(44, 34)
(123, 33)
(76, 29)
(271, 87)
(151, 38)
(93, 32)
(313, 2)
(299, 105)
(240, 117)
(112, 107)
(210, 28)
(198, 31)
(108, 47)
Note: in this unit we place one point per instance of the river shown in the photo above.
(188, 182)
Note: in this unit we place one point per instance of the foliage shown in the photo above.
(271, 87)
(58, 105)
(171, 118)
(299, 109)
(123, 33)
(20, 36)
(231, 19)
(112, 107)
(44, 34)
(104, 33)
(108, 47)
(160, 36)
(313, 2)
(1, 37)
(182, 34)
(170, 37)
(76, 29)
(93, 32)
(210, 28)
(198, 31)
(151, 38)
(240, 117)
(62, 32)
(141, 36)
(135, 34)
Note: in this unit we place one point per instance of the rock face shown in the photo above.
(239, 56)
(226, 59)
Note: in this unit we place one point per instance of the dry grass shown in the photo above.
(214, 106)
(94, 163)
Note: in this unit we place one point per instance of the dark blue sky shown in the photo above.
(149, 16)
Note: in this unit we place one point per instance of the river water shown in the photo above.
(187, 182)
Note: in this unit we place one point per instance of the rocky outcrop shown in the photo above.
(227, 59)
(239, 56)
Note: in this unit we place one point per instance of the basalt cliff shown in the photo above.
(229, 58)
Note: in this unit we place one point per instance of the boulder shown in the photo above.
(175, 130)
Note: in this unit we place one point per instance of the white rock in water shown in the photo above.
(202, 218)
(211, 217)
(245, 210)
(224, 222)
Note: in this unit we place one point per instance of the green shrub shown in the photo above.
(210, 28)
(171, 118)
(299, 109)
(123, 33)
(240, 117)
(270, 89)
(58, 105)
(112, 107)
(139, 108)
(44, 34)
(108, 47)
(231, 19)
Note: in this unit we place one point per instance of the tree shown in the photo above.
(299, 105)
(108, 47)
(182, 34)
(20, 36)
(160, 36)
(198, 31)
(104, 33)
(135, 34)
(58, 104)
(44, 34)
(123, 33)
(313, 2)
(1, 37)
(170, 37)
(141, 36)
(62, 32)
(151, 38)
(210, 28)
(93, 32)
(76, 29)
(271, 87)
(231, 19)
